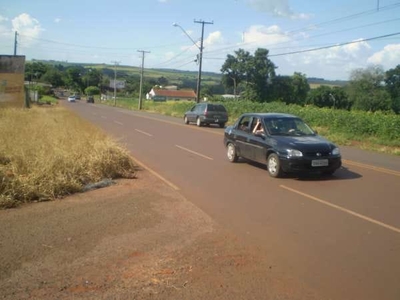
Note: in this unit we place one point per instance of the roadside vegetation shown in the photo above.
(376, 131)
(48, 152)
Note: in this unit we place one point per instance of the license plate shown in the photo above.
(320, 163)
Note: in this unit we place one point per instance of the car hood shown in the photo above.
(305, 143)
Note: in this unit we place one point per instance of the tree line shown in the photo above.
(252, 77)
(248, 76)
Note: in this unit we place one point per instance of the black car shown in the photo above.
(206, 114)
(90, 99)
(285, 143)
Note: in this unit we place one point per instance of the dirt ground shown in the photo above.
(137, 239)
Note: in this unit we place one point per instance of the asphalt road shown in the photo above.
(338, 235)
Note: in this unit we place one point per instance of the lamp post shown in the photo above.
(200, 56)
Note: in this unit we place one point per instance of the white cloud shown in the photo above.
(388, 57)
(163, 1)
(213, 38)
(57, 20)
(262, 36)
(279, 8)
(331, 63)
(26, 26)
(2, 19)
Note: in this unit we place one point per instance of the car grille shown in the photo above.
(317, 154)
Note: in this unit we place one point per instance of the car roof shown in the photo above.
(270, 115)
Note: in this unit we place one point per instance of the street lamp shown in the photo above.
(200, 57)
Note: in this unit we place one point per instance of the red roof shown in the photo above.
(176, 93)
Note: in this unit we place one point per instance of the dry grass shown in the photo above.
(47, 153)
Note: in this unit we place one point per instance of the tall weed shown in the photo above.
(47, 153)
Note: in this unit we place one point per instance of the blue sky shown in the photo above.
(108, 31)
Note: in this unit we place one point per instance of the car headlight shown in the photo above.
(294, 153)
(335, 151)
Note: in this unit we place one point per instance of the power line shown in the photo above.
(346, 18)
(174, 57)
(310, 37)
(92, 47)
(312, 26)
(337, 45)
(325, 47)
(185, 64)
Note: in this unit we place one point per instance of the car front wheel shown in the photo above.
(274, 166)
(231, 153)
(186, 120)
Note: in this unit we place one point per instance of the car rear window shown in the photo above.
(216, 107)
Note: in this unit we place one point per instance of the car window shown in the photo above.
(256, 126)
(287, 126)
(193, 108)
(216, 107)
(244, 124)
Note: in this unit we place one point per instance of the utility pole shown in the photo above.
(200, 57)
(115, 81)
(15, 43)
(141, 78)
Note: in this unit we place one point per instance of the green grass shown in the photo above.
(48, 153)
(48, 100)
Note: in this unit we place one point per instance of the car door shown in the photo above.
(192, 115)
(242, 137)
(256, 142)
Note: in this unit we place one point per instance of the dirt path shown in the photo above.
(138, 239)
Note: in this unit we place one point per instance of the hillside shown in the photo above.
(178, 75)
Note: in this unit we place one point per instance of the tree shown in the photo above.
(234, 69)
(253, 73)
(366, 90)
(162, 81)
(392, 82)
(54, 77)
(282, 88)
(92, 90)
(35, 70)
(73, 79)
(326, 96)
(300, 88)
(260, 71)
(93, 77)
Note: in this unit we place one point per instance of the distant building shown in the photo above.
(158, 94)
(119, 84)
(230, 96)
(171, 87)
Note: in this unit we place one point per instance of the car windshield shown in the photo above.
(287, 126)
